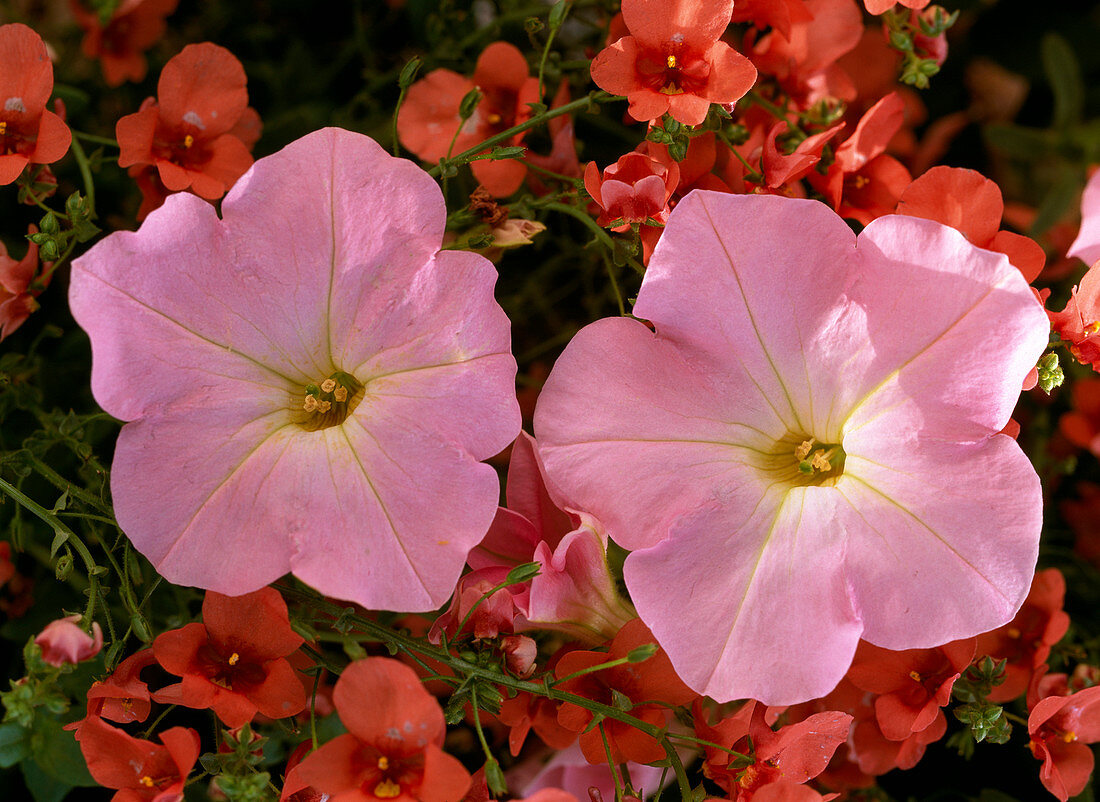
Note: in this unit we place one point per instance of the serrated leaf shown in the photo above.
(1064, 74)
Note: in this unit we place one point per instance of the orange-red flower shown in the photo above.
(430, 126)
(18, 288)
(234, 662)
(191, 133)
(392, 747)
(120, 44)
(673, 60)
(1061, 727)
(28, 132)
(142, 771)
(646, 685)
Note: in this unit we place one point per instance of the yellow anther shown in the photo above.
(234, 659)
(328, 385)
(861, 181)
(1012, 632)
(147, 781)
(387, 789)
(913, 675)
(671, 62)
(309, 404)
(188, 141)
(1069, 736)
(324, 406)
(820, 462)
(383, 763)
(1091, 328)
(493, 119)
(3, 127)
(803, 450)
(340, 394)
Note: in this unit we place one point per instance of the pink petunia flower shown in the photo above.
(806, 451)
(310, 382)
(1086, 246)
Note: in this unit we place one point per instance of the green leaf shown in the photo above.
(1059, 199)
(1023, 143)
(43, 787)
(57, 753)
(1064, 74)
(13, 744)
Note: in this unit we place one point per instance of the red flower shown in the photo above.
(1026, 640)
(392, 747)
(1060, 727)
(645, 684)
(633, 191)
(140, 770)
(1081, 424)
(235, 661)
(132, 29)
(1079, 323)
(188, 132)
(673, 60)
(429, 119)
(122, 697)
(783, 759)
(968, 201)
(18, 288)
(882, 6)
(912, 685)
(28, 132)
(64, 642)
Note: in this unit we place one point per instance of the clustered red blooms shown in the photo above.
(21, 281)
(196, 134)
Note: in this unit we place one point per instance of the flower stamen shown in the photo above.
(387, 789)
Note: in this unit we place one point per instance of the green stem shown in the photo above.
(70, 537)
(61, 483)
(534, 122)
(611, 764)
(592, 669)
(96, 140)
(86, 175)
(594, 227)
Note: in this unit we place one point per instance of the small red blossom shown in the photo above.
(63, 642)
(1081, 424)
(1060, 728)
(392, 747)
(912, 685)
(673, 60)
(430, 126)
(645, 684)
(142, 771)
(1026, 640)
(634, 191)
(475, 611)
(122, 697)
(120, 45)
(192, 132)
(235, 661)
(882, 6)
(19, 287)
(29, 134)
(782, 760)
(1079, 323)
(969, 202)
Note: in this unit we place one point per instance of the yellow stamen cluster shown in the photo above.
(913, 675)
(818, 462)
(3, 127)
(1069, 736)
(188, 141)
(329, 402)
(1091, 328)
(671, 62)
(147, 781)
(383, 763)
(387, 789)
(234, 659)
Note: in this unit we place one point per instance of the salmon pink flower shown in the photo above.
(673, 60)
(29, 134)
(234, 662)
(1079, 322)
(429, 118)
(18, 287)
(801, 426)
(120, 44)
(64, 642)
(322, 406)
(392, 747)
(1086, 246)
(187, 133)
(142, 771)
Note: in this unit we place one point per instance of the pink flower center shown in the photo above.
(801, 460)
